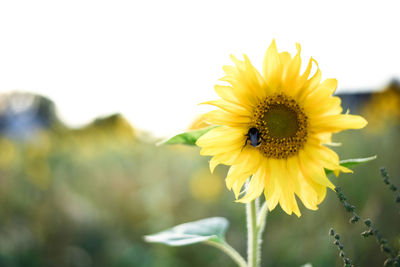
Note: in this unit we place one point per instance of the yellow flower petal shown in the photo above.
(247, 83)
(302, 186)
(271, 192)
(272, 68)
(326, 88)
(291, 75)
(227, 93)
(229, 107)
(227, 158)
(316, 107)
(223, 136)
(249, 161)
(313, 171)
(214, 162)
(310, 85)
(255, 186)
(325, 157)
(335, 123)
(285, 58)
(219, 117)
(303, 78)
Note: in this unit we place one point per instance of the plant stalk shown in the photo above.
(252, 235)
(225, 247)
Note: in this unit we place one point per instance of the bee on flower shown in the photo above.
(272, 129)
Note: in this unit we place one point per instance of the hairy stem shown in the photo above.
(252, 235)
(230, 251)
(261, 221)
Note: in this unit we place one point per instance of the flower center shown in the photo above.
(280, 121)
(282, 125)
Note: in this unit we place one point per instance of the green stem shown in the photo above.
(225, 247)
(252, 235)
(261, 221)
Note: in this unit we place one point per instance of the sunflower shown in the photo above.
(273, 128)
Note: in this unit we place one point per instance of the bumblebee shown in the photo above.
(254, 136)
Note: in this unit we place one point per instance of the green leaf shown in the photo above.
(191, 233)
(351, 162)
(187, 138)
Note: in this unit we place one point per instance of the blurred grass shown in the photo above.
(86, 197)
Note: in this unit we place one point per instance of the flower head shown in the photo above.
(273, 128)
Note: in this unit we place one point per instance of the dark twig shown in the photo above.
(346, 205)
(393, 259)
(346, 260)
(392, 187)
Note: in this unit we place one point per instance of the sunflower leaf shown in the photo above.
(186, 138)
(210, 229)
(352, 162)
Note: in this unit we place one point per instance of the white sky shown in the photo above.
(153, 61)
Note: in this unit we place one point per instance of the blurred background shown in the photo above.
(88, 87)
